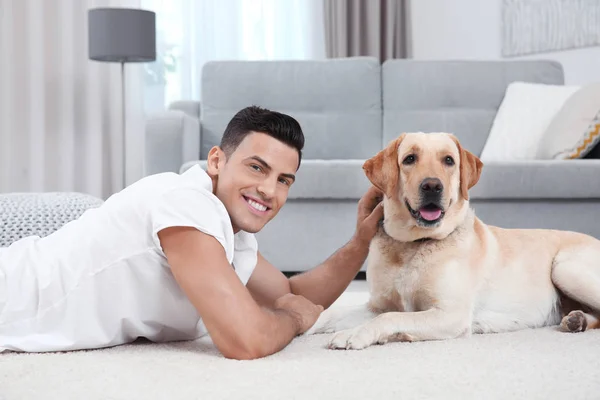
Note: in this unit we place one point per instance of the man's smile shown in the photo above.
(257, 206)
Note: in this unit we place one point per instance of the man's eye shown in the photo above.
(284, 181)
(410, 159)
(255, 167)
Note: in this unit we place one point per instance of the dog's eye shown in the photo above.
(410, 159)
(449, 160)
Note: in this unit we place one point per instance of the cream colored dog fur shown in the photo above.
(436, 271)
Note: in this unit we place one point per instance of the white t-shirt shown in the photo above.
(103, 279)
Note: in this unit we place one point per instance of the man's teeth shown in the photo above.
(256, 205)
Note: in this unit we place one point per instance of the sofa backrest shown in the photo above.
(460, 97)
(336, 101)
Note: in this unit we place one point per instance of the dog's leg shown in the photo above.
(338, 318)
(433, 324)
(576, 272)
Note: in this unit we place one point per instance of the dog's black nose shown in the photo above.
(431, 185)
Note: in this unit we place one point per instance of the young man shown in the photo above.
(173, 257)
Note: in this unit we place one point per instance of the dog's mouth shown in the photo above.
(428, 214)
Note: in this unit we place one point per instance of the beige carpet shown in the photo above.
(534, 364)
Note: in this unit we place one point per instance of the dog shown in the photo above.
(435, 271)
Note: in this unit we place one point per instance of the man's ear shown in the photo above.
(382, 169)
(470, 169)
(215, 160)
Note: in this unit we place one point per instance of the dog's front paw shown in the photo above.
(325, 323)
(336, 319)
(353, 339)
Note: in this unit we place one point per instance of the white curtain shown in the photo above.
(192, 32)
(60, 113)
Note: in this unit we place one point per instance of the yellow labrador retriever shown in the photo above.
(436, 271)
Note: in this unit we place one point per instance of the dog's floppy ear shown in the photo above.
(382, 169)
(470, 169)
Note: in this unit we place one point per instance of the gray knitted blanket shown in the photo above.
(27, 214)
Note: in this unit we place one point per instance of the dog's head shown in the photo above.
(425, 178)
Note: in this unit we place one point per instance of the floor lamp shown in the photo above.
(122, 35)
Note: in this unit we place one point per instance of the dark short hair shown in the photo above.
(256, 119)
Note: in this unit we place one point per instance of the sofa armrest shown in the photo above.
(172, 139)
(190, 107)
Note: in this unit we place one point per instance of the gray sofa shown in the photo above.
(350, 109)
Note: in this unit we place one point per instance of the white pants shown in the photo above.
(3, 295)
(3, 290)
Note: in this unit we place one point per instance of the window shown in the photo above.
(192, 32)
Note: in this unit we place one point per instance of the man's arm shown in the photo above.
(238, 326)
(267, 283)
(326, 282)
(321, 285)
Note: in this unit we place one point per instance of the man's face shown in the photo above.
(253, 183)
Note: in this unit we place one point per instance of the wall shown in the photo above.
(471, 29)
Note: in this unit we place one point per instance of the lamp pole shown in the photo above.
(123, 124)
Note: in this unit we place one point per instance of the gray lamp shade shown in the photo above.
(121, 35)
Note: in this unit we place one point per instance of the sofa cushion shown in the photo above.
(330, 179)
(460, 97)
(337, 102)
(538, 179)
(322, 179)
(545, 179)
(519, 127)
(575, 129)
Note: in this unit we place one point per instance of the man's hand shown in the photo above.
(370, 212)
(306, 313)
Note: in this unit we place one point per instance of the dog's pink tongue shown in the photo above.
(430, 215)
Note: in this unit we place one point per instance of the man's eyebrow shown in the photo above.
(260, 160)
(290, 176)
(267, 166)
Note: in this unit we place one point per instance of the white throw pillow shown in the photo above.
(523, 116)
(575, 129)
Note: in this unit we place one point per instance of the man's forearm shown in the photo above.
(326, 282)
(270, 334)
(285, 325)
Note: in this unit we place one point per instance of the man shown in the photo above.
(173, 257)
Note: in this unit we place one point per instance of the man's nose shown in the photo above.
(431, 186)
(267, 188)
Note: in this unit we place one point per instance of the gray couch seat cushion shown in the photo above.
(330, 179)
(539, 179)
(322, 179)
(535, 179)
